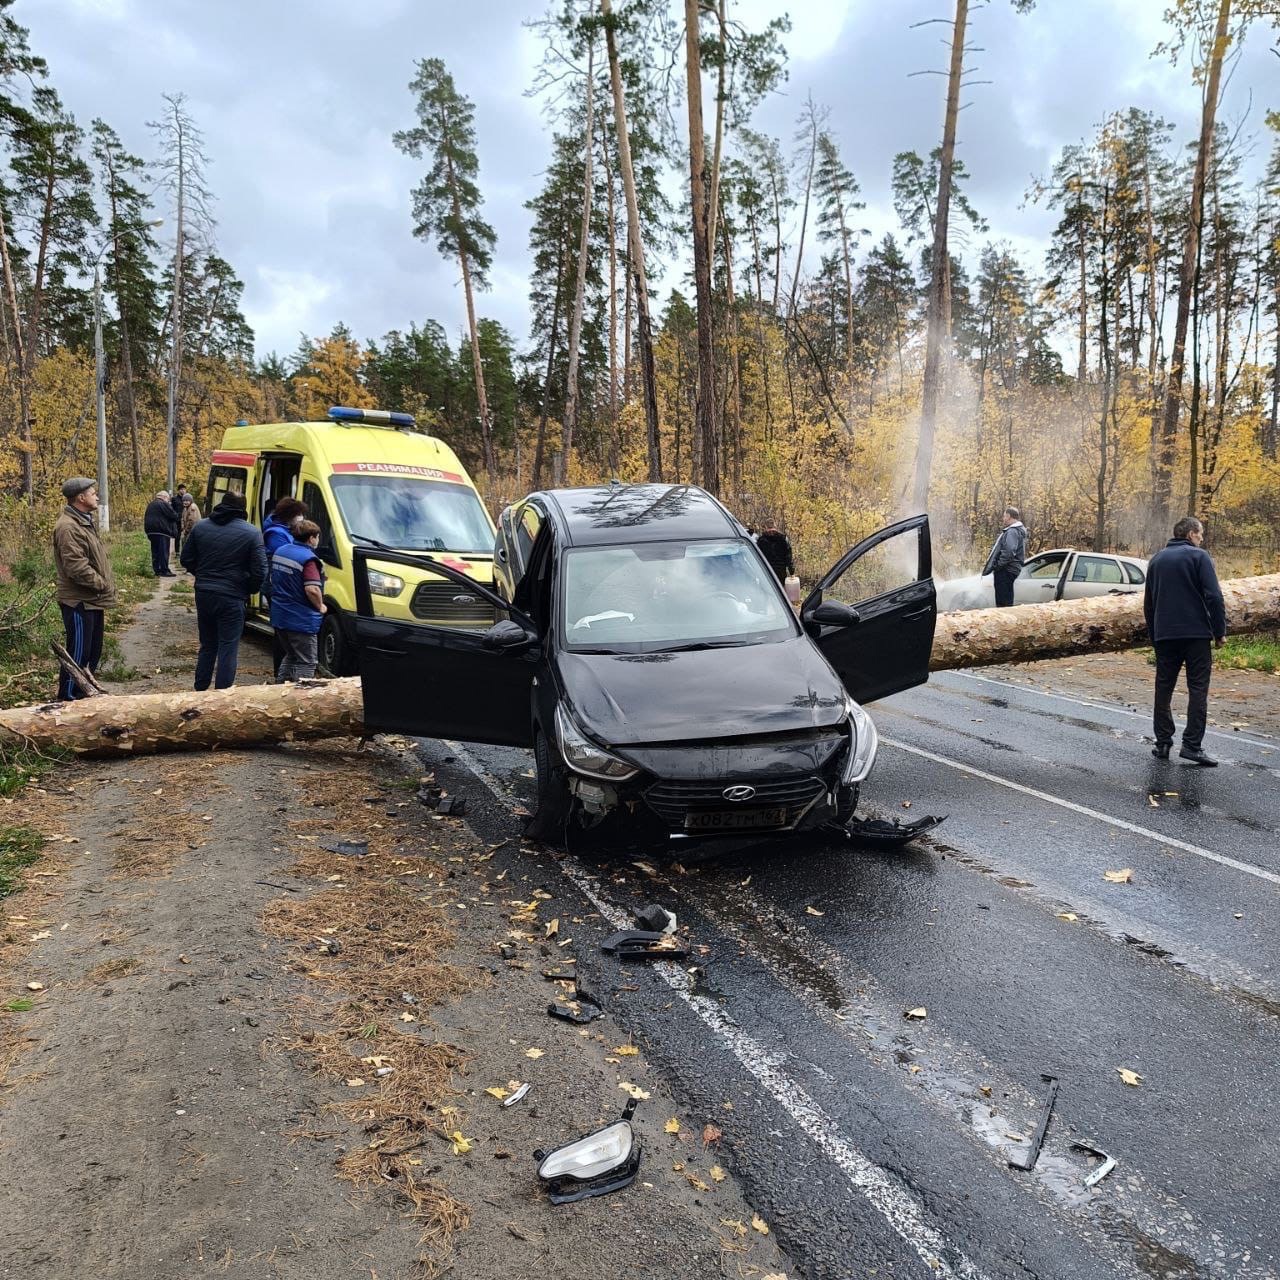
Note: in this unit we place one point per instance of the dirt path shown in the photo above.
(250, 1056)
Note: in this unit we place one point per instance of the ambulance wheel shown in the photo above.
(336, 651)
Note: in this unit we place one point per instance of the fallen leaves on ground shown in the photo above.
(813, 911)
(534, 1053)
(759, 1224)
(710, 1134)
(1069, 916)
(736, 1225)
(634, 1090)
(497, 1092)
(553, 927)
(626, 1051)
(460, 1144)
(1124, 876)
(717, 1173)
(672, 1125)
(919, 1013)
(696, 1182)
(1131, 1078)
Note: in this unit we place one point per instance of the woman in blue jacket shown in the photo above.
(297, 602)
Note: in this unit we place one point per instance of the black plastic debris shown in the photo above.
(656, 919)
(1028, 1162)
(581, 1007)
(347, 848)
(429, 796)
(643, 944)
(595, 1165)
(452, 806)
(890, 835)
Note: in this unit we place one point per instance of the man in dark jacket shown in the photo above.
(86, 588)
(178, 502)
(1007, 556)
(161, 527)
(775, 546)
(1185, 619)
(226, 556)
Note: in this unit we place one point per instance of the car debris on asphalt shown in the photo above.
(1028, 1162)
(643, 944)
(1108, 1162)
(656, 919)
(889, 834)
(595, 1165)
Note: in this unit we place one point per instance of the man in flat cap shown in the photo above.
(85, 585)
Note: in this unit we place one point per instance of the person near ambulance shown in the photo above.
(1007, 556)
(297, 601)
(86, 588)
(277, 532)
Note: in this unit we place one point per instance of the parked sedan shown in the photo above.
(1052, 575)
(648, 656)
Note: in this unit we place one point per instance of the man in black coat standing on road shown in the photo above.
(1185, 620)
(226, 555)
(161, 527)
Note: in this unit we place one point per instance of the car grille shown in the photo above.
(671, 801)
(450, 606)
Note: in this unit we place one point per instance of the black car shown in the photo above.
(647, 654)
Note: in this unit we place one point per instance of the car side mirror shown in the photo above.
(508, 634)
(831, 613)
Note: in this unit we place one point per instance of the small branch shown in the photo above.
(85, 681)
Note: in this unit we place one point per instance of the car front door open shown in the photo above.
(888, 579)
(443, 682)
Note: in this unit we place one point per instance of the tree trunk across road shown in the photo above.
(138, 724)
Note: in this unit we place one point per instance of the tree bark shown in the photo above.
(255, 715)
(1186, 280)
(939, 317)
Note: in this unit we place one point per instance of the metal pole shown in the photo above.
(99, 389)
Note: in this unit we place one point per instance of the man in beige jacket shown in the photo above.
(85, 585)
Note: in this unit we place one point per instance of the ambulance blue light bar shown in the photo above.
(374, 417)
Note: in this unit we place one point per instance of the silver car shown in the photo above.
(1051, 575)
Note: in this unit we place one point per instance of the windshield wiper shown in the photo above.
(700, 644)
(373, 542)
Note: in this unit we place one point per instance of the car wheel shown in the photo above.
(554, 801)
(336, 654)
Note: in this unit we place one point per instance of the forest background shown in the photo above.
(704, 304)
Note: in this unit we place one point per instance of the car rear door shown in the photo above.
(442, 682)
(1095, 575)
(888, 579)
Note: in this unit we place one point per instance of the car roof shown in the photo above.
(602, 515)
(1066, 551)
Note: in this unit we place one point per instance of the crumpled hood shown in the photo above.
(702, 695)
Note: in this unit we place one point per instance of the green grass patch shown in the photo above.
(20, 1005)
(1250, 653)
(19, 848)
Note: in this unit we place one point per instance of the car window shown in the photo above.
(1096, 569)
(1043, 567)
(528, 523)
(1136, 576)
(888, 566)
(658, 595)
(413, 515)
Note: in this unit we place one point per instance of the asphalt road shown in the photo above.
(878, 1145)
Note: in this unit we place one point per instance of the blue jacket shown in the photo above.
(1182, 600)
(225, 554)
(290, 608)
(275, 535)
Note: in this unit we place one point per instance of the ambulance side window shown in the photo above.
(222, 481)
(319, 512)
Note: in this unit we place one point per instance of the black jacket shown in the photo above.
(776, 549)
(225, 553)
(176, 503)
(159, 518)
(1182, 600)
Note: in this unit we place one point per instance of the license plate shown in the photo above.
(735, 820)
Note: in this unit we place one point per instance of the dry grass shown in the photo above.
(108, 970)
(173, 811)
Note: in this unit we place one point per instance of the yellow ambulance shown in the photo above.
(370, 477)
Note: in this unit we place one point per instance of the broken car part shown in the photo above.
(580, 1008)
(517, 1095)
(604, 1161)
(889, 835)
(1108, 1162)
(1037, 1139)
(656, 919)
(348, 848)
(643, 944)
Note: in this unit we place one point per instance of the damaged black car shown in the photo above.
(647, 655)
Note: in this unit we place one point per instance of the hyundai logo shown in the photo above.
(738, 794)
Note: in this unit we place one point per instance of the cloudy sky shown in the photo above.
(298, 100)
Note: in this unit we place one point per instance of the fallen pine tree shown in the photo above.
(132, 724)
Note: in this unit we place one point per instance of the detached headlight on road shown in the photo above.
(583, 756)
(863, 744)
(604, 1161)
(385, 584)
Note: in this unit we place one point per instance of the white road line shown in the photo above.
(899, 1208)
(1106, 706)
(1220, 858)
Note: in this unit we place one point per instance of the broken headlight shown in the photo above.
(583, 756)
(863, 744)
(604, 1161)
(385, 584)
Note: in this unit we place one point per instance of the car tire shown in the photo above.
(551, 815)
(337, 655)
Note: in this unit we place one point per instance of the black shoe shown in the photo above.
(1160, 751)
(1199, 755)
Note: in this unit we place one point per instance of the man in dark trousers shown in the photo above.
(161, 527)
(1007, 556)
(1186, 619)
(225, 554)
(85, 585)
(178, 501)
(775, 546)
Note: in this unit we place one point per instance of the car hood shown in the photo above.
(702, 695)
(972, 592)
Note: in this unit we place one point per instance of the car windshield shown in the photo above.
(413, 515)
(670, 595)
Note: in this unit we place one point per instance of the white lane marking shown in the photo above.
(1220, 858)
(900, 1209)
(1103, 706)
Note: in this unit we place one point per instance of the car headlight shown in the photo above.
(583, 756)
(863, 744)
(385, 584)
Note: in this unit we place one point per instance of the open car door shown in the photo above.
(888, 579)
(441, 682)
